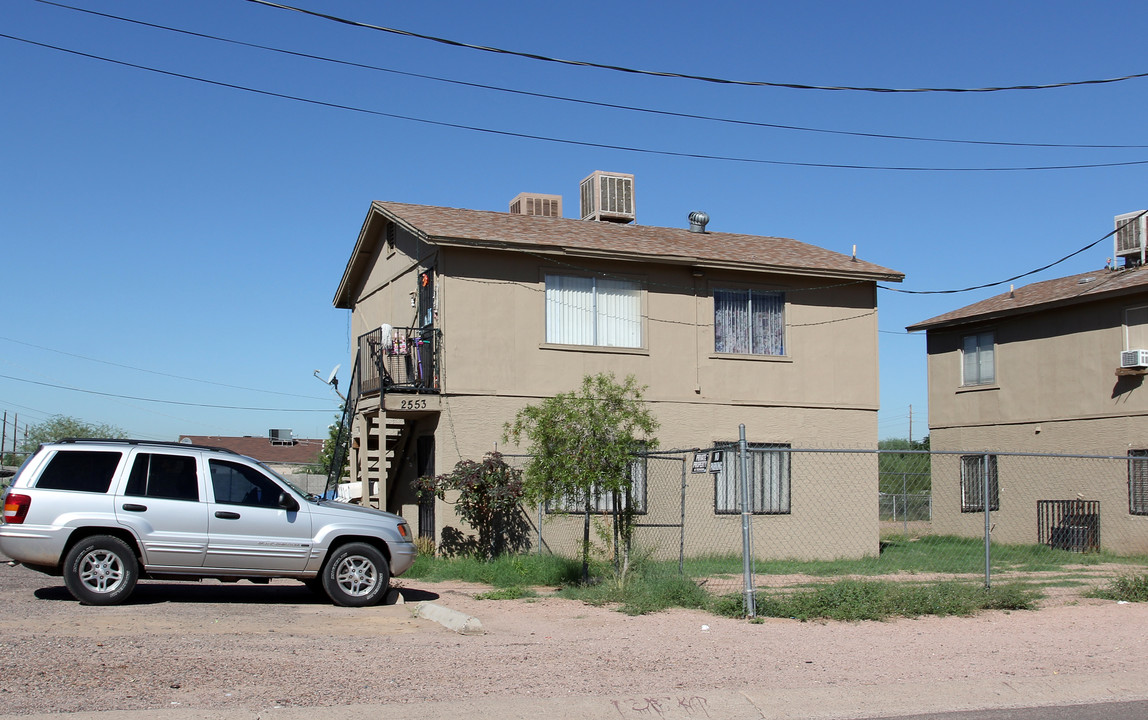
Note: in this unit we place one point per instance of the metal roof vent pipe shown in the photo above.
(698, 221)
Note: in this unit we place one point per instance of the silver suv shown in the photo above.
(105, 513)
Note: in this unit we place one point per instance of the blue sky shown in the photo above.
(165, 239)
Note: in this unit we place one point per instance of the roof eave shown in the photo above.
(684, 260)
(1025, 309)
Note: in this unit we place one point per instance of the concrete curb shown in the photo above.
(461, 623)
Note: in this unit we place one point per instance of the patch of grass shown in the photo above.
(870, 600)
(510, 593)
(1129, 588)
(507, 571)
(926, 554)
(641, 594)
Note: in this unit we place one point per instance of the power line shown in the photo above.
(566, 141)
(1016, 277)
(685, 76)
(163, 402)
(595, 103)
(156, 372)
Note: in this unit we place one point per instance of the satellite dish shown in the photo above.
(331, 378)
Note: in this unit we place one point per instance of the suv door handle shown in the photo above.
(224, 515)
(132, 507)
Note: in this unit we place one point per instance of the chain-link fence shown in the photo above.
(808, 515)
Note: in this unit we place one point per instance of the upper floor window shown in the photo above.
(593, 311)
(977, 357)
(749, 322)
(1136, 328)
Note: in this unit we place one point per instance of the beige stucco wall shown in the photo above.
(1056, 391)
(493, 322)
(822, 393)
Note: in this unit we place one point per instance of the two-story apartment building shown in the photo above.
(465, 316)
(1043, 368)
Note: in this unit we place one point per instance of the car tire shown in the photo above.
(101, 570)
(356, 575)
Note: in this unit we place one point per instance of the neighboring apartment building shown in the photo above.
(1052, 367)
(462, 317)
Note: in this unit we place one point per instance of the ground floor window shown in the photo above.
(1138, 482)
(768, 469)
(603, 502)
(973, 478)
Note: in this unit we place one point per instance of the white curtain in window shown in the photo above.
(619, 313)
(569, 310)
(593, 311)
(749, 322)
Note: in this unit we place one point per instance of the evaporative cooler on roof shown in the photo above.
(608, 196)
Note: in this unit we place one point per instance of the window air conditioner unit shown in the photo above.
(1130, 237)
(608, 196)
(1134, 359)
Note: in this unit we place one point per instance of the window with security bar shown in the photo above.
(973, 479)
(769, 480)
(603, 502)
(1138, 482)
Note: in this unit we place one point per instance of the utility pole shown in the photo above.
(910, 427)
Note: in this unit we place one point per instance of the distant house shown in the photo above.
(1052, 367)
(462, 317)
(280, 451)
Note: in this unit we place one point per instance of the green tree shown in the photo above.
(327, 454)
(582, 443)
(59, 427)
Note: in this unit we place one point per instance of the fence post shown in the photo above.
(904, 503)
(682, 527)
(988, 527)
(746, 552)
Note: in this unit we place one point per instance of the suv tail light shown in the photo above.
(16, 508)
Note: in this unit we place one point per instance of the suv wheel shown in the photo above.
(357, 575)
(101, 570)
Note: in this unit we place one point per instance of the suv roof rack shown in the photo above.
(156, 443)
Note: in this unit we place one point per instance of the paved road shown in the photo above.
(1099, 711)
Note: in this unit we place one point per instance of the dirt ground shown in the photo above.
(209, 646)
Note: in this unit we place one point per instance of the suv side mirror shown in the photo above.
(287, 502)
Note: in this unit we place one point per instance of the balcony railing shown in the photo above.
(401, 359)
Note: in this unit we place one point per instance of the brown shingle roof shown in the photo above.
(1072, 290)
(584, 238)
(261, 448)
(448, 225)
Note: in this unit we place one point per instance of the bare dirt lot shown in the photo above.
(214, 647)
